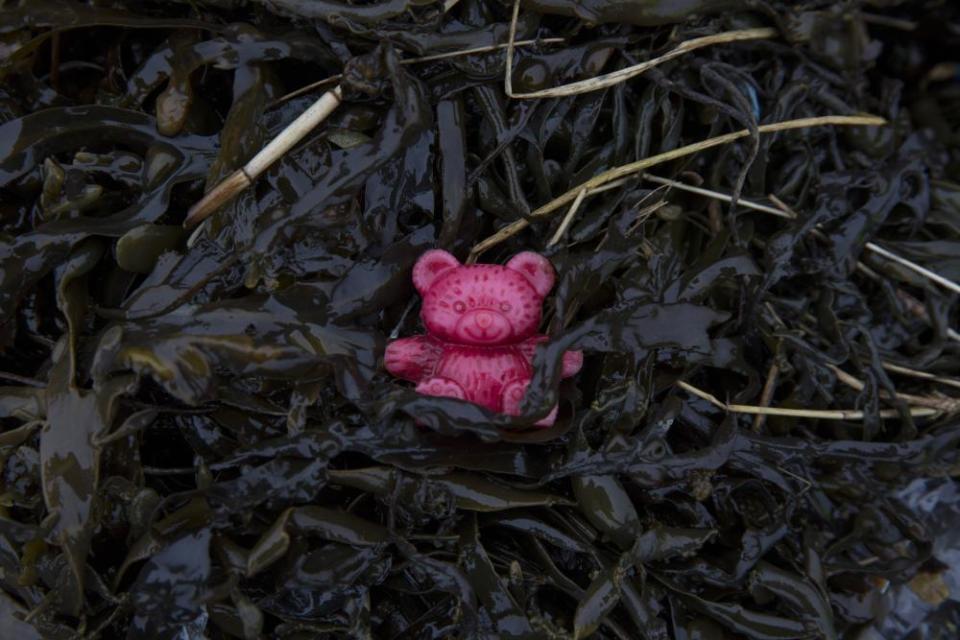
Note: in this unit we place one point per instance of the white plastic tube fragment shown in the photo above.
(275, 149)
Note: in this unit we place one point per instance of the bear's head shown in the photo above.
(482, 304)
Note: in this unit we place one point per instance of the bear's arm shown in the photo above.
(572, 360)
(412, 358)
(529, 347)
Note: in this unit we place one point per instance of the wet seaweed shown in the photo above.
(197, 436)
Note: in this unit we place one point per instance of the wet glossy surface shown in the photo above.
(201, 440)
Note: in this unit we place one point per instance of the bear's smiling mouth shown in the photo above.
(484, 334)
(484, 326)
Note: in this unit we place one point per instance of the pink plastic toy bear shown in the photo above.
(481, 325)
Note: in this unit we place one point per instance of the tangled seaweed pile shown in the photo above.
(197, 436)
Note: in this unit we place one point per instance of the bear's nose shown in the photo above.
(484, 319)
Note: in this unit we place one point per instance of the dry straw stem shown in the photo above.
(785, 211)
(815, 414)
(888, 21)
(716, 195)
(944, 404)
(914, 306)
(923, 375)
(431, 58)
(621, 75)
(943, 282)
(567, 219)
(880, 251)
(640, 165)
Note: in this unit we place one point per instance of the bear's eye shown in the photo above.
(505, 307)
(459, 307)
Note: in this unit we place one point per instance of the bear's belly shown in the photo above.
(483, 372)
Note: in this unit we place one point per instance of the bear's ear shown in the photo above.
(536, 269)
(430, 266)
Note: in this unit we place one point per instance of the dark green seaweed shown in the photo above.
(197, 435)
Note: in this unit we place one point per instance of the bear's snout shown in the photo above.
(483, 319)
(483, 326)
